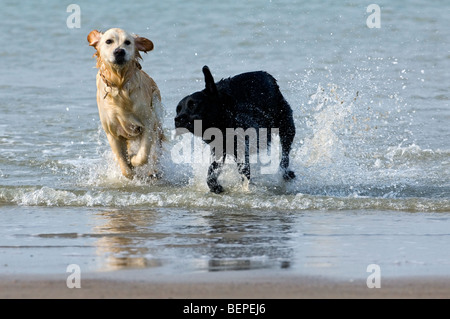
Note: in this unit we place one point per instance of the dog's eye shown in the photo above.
(127, 42)
(109, 41)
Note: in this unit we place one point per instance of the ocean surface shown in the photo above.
(371, 153)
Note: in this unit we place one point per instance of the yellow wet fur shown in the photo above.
(129, 101)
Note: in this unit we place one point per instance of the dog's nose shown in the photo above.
(119, 52)
(180, 120)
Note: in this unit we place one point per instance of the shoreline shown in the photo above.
(219, 286)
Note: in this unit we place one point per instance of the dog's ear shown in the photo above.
(209, 81)
(143, 44)
(93, 37)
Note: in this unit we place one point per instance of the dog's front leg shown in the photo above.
(214, 170)
(147, 151)
(141, 157)
(213, 174)
(244, 166)
(119, 148)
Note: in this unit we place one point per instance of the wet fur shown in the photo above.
(248, 100)
(129, 101)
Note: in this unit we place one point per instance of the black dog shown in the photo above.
(248, 100)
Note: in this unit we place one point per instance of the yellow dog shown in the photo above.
(129, 101)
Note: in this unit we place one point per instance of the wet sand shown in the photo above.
(220, 286)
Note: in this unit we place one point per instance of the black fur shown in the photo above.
(247, 100)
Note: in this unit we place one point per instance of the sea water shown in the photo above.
(371, 152)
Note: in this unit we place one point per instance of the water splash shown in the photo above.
(330, 114)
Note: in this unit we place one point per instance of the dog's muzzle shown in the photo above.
(180, 120)
(119, 56)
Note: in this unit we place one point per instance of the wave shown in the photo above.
(191, 198)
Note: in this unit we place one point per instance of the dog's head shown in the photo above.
(203, 105)
(117, 47)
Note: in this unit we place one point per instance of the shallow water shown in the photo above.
(371, 153)
(339, 244)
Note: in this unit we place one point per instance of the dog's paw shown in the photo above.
(138, 160)
(128, 172)
(216, 189)
(246, 184)
(288, 175)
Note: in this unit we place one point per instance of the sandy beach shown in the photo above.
(220, 286)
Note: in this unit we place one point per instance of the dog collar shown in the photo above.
(107, 83)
